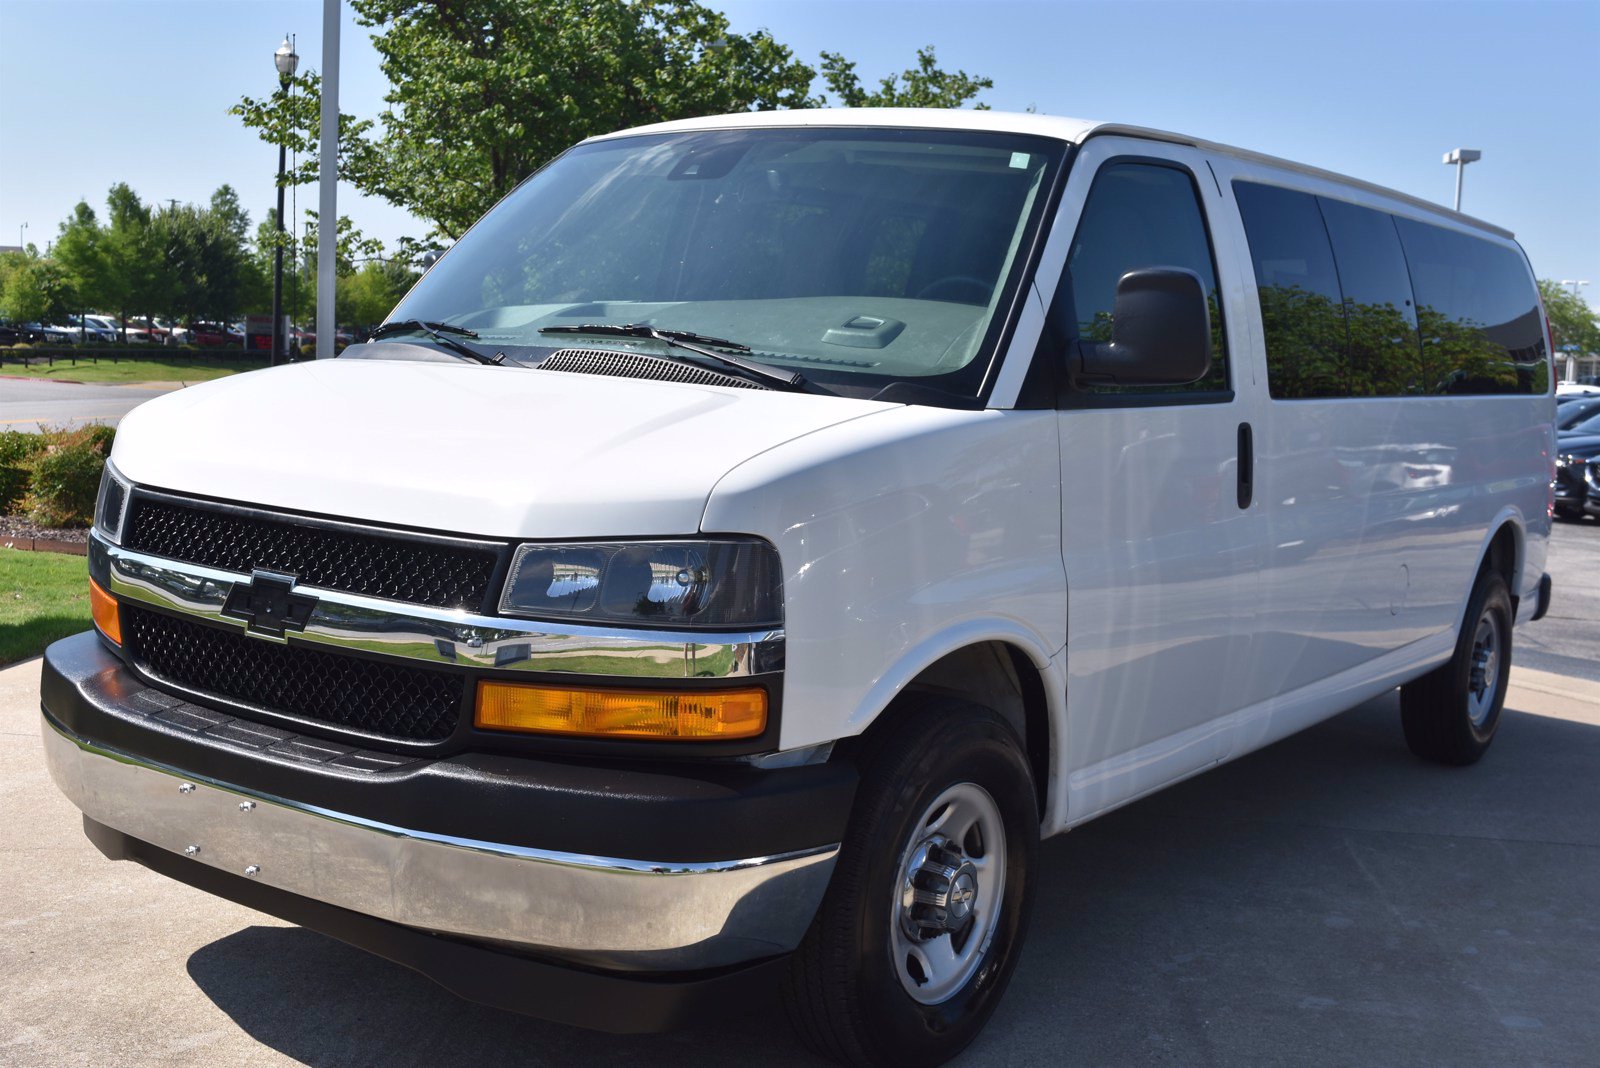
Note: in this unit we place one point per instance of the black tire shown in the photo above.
(843, 992)
(1450, 714)
(1569, 513)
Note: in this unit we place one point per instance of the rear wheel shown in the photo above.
(919, 932)
(1450, 714)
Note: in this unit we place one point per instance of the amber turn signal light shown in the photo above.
(104, 609)
(706, 715)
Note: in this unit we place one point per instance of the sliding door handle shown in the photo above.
(1247, 465)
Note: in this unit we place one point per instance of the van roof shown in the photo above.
(1054, 126)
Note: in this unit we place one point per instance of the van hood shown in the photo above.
(487, 451)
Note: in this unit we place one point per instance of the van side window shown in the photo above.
(1138, 215)
(1302, 307)
(1478, 313)
(1356, 302)
(1385, 355)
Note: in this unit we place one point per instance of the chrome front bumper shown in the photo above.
(620, 912)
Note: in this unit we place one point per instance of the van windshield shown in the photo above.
(856, 257)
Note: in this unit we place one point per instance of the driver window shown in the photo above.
(1137, 215)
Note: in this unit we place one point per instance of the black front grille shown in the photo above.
(374, 697)
(397, 567)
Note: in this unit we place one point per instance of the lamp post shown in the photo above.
(286, 61)
(1461, 157)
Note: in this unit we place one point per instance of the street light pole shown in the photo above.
(1461, 157)
(22, 240)
(286, 61)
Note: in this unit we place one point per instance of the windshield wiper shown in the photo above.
(683, 339)
(440, 332)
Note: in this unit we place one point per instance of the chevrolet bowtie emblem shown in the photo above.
(268, 604)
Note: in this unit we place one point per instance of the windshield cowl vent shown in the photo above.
(639, 365)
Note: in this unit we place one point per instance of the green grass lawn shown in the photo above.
(152, 368)
(43, 596)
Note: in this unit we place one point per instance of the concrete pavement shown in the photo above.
(28, 404)
(1328, 901)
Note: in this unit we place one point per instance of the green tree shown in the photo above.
(484, 92)
(923, 86)
(373, 291)
(81, 252)
(134, 267)
(1572, 321)
(203, 258)
(37, 290)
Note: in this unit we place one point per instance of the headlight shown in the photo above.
(112, 504)
(716, 582)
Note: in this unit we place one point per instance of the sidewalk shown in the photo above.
(1327, 901)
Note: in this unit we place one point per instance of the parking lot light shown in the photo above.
(1461, 157)
(286, 60)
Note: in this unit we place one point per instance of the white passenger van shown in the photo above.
(751, 538)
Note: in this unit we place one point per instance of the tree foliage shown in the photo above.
(485, 92)
(923, 86)
(1572, 321)
(368, 295)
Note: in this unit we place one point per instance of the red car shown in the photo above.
(213, 334)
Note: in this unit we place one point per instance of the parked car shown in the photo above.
(1574, 389)
(306, 340)
(618, 633)
(50, 334)
(1591, 505)
(10, 333)
(93, 329)
(1576, 446)
(1574, 410)
(161, 330)
(210, 335)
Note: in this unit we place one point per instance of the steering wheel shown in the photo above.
(953, 287)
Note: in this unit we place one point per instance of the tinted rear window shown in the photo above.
(1385, 356)
(1478, 312)
(1356, 302)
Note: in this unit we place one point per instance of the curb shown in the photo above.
(45, 545)
(1553, 685)
(37, 378)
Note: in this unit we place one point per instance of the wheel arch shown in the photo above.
(1000, 666)
(1504, 549)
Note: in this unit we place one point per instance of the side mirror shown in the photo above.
(1160, 336)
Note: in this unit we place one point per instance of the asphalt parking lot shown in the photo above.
(1327, 901)
(1567, 640)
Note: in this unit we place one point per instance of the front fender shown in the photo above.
(902, 536)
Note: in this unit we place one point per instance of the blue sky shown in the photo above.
(93, 92)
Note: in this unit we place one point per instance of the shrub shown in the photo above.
(59, 475)
(99, 437)
(13, 484)
(17, 447)
(64, 482)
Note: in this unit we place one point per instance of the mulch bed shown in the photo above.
(18, 533)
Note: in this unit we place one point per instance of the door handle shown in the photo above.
(1247, 464)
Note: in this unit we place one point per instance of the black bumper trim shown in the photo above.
(621, 1003)
(678, 812)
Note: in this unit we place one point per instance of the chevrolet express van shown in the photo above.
(749, 540)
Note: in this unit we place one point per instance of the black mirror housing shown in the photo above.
(1160, 336)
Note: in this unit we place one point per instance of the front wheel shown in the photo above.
(919, 933)
(1450, 714)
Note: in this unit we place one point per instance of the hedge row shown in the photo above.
(52, 477)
